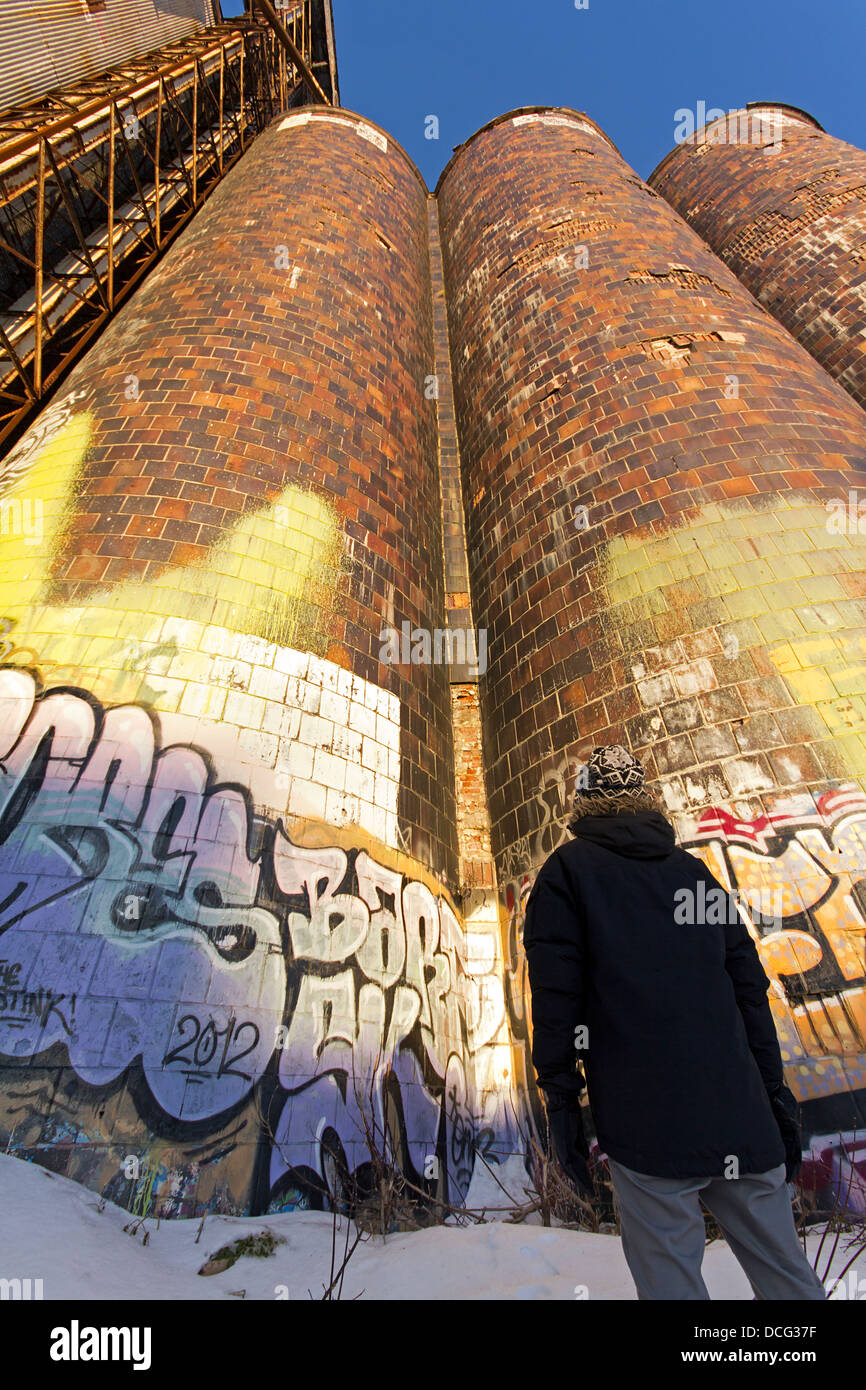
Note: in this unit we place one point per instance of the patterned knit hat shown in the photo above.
(611, 771)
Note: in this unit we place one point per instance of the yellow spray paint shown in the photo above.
(778, 571)
(256, 581)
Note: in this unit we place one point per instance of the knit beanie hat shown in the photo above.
(610, 772)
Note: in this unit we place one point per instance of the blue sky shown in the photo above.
(630, 64)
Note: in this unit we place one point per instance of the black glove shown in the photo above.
(787, 1114)
(568, 1141)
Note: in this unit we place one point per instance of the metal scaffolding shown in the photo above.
(96, 180)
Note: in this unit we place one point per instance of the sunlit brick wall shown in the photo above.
(654, 473)
(229, 836)
(784, 205)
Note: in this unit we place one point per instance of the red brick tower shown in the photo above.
(235, 495)
(784, 205)
(647, 456)
(282, 344)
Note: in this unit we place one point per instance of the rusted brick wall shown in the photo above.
(229, 834)
(647, 455)
(787, 213)
(281, 346)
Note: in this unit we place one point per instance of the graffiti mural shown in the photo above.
(811, 851)
(402, 968)
(234, 954)
(519, 863)
(834, 1171)
(149, 916)
(129, 905)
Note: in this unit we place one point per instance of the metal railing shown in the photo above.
(97, 180)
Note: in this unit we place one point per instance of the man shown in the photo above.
(671, 1021)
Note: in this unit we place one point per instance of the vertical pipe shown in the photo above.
(222, 81)
(160, 96)
(39, 258)
(241, 86)
(110, 217)
(195, 135)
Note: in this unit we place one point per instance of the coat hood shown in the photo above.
(633, 834)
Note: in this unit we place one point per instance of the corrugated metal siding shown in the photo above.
(46, 44)
(25, 62)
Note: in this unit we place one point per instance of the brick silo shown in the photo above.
(655, 476)
(784, 205)
(228, 805)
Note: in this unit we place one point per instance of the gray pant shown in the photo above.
(663, 1234)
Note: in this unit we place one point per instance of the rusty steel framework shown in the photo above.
(96, 180)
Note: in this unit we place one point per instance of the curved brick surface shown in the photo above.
(647, 457)
(282, 344)
(227, 821)
(789, 217)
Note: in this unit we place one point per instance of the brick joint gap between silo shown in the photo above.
(473, 817)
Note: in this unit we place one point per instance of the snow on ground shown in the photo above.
(53, 1229)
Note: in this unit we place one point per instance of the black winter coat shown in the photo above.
(681, 1041)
